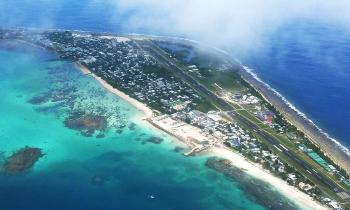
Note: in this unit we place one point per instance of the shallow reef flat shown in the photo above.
(122, 170)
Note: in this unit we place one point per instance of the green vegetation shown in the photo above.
(205, 72)
(229, 79)
(204, 105)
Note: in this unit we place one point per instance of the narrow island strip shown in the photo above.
(190, 134)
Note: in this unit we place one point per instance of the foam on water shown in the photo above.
(290, 105)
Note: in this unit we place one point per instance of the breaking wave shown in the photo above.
(291, 106)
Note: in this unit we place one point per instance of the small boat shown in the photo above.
(151, 196)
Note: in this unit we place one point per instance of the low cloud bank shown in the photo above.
(243, 24)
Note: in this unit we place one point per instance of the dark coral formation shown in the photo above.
(154, 140)
(86, 123)
(63, 94)
(179, 149)
(100, 136)
(22, 160)
(259, 190)
(119, 131)
(88, 111)
(39, 99)
(132, 126)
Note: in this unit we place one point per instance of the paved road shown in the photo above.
(285, 151)
(225, 106)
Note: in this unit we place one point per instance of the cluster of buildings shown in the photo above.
(253, 103)
(244, 99)
(216, 127)
(194, 69)
(265, 116)
(126, 66)
(214, 123)
(331, 169)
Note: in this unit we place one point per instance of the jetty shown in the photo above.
(190, 135)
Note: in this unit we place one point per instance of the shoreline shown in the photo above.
(238, 160)
(317, 136)
(328, 145)
(324, 141)
(256, 171)
(138, 105)
(295, 117)
(146, 112)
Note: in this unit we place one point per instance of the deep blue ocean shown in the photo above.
(122, 169)
(308, 63)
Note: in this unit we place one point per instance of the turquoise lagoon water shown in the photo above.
(121, 170)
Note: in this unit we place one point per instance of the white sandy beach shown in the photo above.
(257, 171)
(140, 106)
(237, 160)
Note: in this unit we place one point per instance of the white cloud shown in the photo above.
(240, 23)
